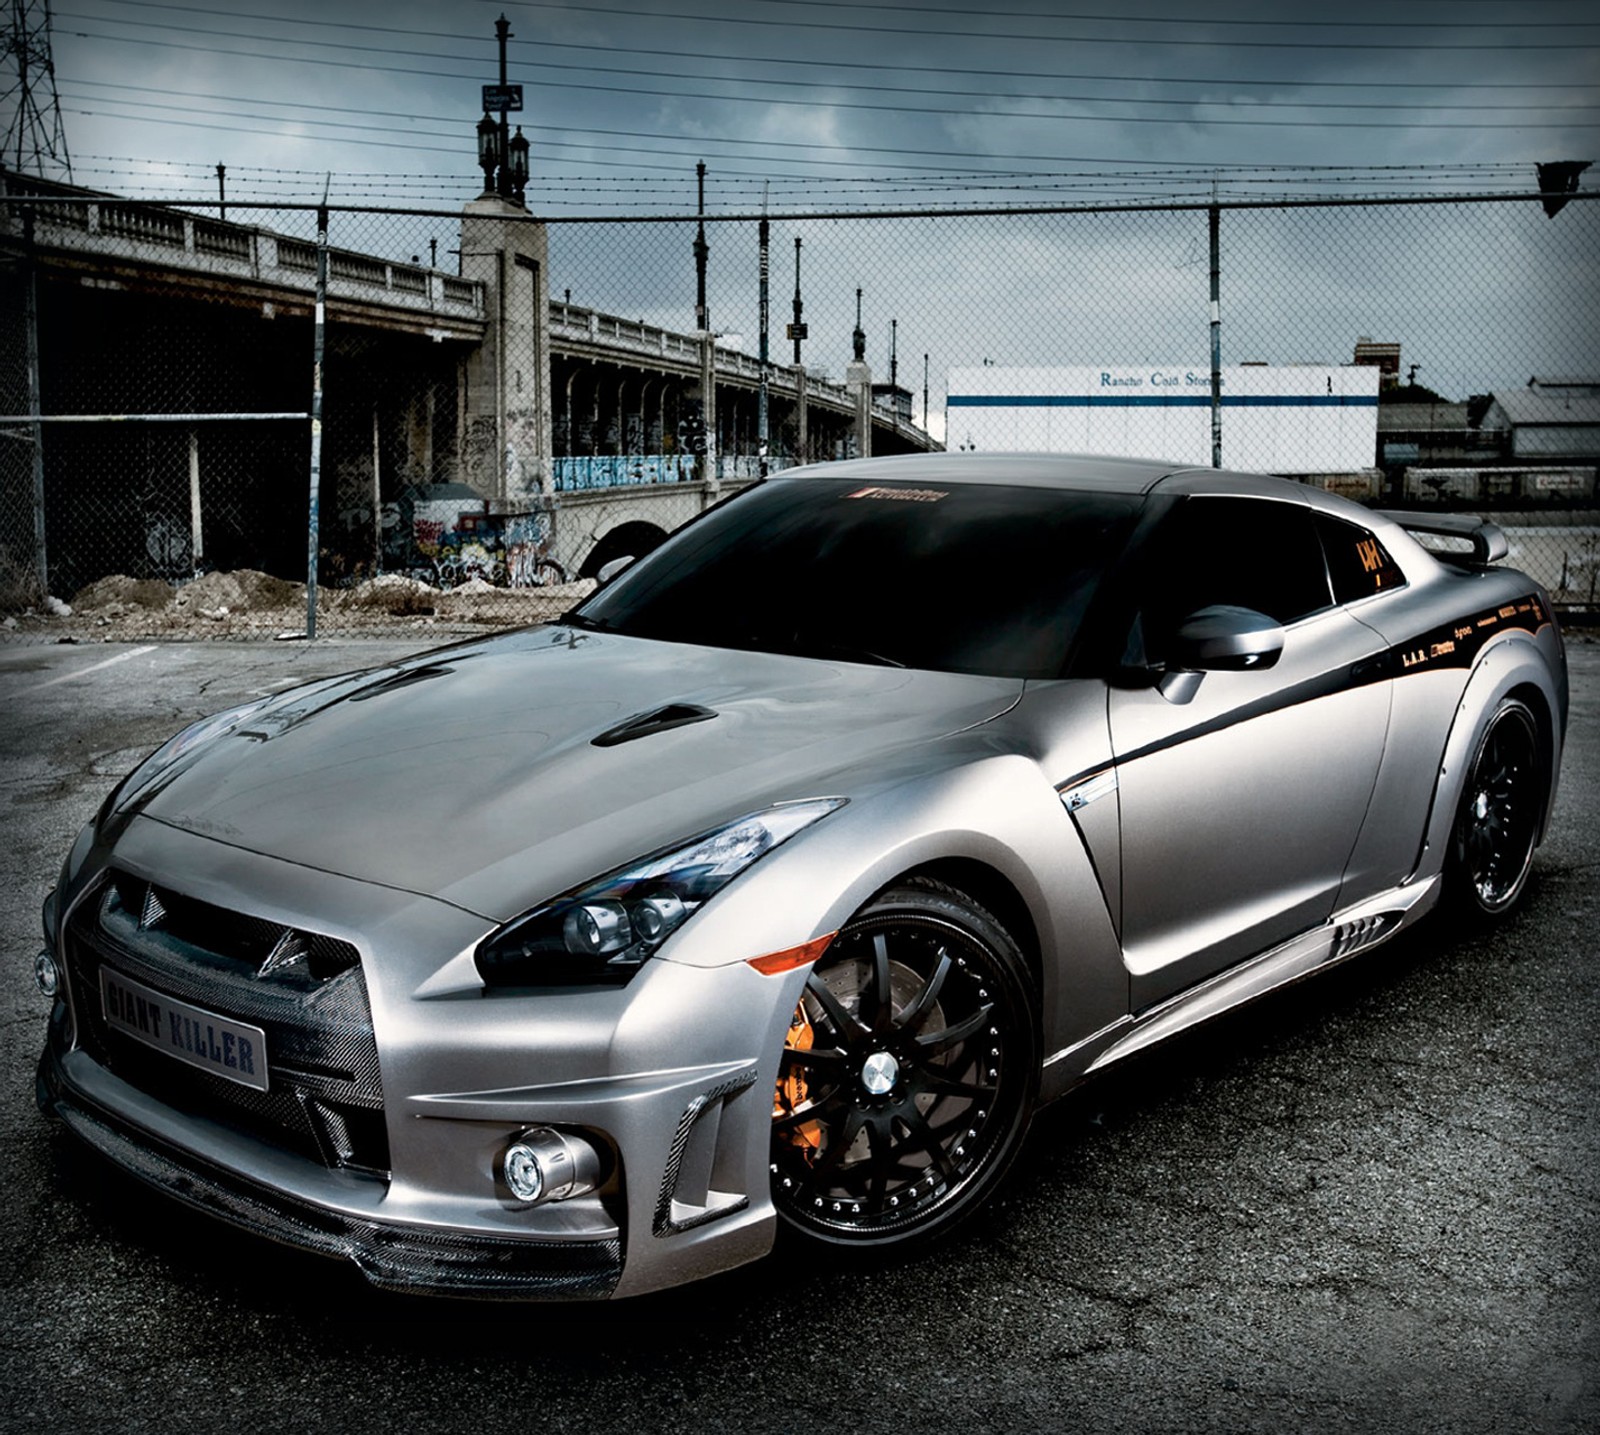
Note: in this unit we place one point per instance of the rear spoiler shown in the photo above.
(1488, 540)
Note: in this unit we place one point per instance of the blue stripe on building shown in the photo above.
(1160, 401)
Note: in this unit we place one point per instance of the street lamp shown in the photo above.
(518, 163)
(489, 156)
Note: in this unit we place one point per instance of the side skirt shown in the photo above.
(1355, 929)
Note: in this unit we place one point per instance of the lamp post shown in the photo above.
(502, 32)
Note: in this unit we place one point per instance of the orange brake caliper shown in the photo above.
(793, 1089)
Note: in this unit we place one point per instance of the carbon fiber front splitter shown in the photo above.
(390, 1255)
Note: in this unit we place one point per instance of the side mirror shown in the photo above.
(608, 571)
(1225, 639)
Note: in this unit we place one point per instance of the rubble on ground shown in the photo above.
(246, 603)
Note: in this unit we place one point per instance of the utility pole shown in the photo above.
(702, 252)
(894, 350)
(1214, 225)
(34, 141)
(764, 235)
(797, 330)
(924, 393)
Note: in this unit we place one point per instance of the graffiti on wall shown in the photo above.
(445, 535)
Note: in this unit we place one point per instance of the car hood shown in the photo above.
(472, 774)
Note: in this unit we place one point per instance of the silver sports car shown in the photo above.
(775, 886)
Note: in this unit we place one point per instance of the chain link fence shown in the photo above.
(506, 405)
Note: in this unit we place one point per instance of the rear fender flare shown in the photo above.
(1512, 664)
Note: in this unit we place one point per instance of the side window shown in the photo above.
(1248, 552)
(1358, 563)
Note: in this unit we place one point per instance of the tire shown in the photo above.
(1497, 823)
(548, 573)
(909, 1075)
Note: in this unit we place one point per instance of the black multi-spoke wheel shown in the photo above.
(1497, 825)
(909, 1073)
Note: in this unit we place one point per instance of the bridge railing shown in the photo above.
(575, 324)
(161, 238)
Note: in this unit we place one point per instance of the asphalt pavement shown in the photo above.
(1370, 1203)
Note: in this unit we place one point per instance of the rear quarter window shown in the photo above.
(1358, 564)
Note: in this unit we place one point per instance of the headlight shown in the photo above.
(602, 932)
(176, 748)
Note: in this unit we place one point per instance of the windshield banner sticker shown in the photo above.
(902, 495)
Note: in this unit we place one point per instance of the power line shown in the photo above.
(588, 9)
(768, 100)
(922, 11)
(832, 64)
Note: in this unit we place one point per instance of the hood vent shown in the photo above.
(656, 720)
(403, 679)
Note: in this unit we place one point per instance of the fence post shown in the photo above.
(316, 417)
(30, 324)
(196, 532)
(1214, 218)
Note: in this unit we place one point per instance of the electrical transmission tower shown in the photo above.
(35, 142)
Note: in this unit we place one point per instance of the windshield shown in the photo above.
(962, 578)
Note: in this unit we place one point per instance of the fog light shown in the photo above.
(47, 973)
(543, 1164)
(524, 1175)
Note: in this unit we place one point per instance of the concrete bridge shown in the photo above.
(156, 318)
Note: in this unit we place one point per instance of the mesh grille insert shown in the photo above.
(325, 1097)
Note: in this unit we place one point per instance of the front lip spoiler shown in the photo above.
(389, 1254)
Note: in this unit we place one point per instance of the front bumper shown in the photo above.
(671, 1077)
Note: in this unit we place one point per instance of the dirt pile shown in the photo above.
(246, 603)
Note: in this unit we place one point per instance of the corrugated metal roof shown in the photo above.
(1544, 406)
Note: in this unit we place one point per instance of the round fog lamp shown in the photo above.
(46, 973)
(524, 1176)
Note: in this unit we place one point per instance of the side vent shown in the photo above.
(1353, 936)
(690, 1194)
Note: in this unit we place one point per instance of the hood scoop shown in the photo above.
(655, 720)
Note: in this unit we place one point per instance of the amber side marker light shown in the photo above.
(776, 963)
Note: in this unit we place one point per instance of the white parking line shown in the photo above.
(95, 667)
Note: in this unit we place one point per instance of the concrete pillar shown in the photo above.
(802, 451)
(708, 398)
(858, 379)
(505, 435)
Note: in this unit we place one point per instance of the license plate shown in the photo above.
(233, 1050)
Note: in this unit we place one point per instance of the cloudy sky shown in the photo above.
(822, 101)
(825, 107)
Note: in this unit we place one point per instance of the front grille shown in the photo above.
(304, 990)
